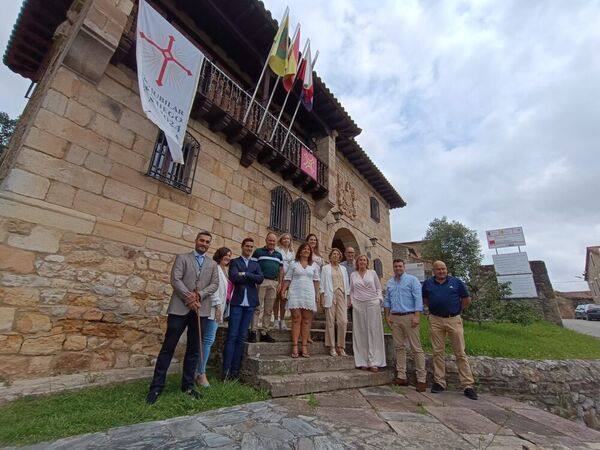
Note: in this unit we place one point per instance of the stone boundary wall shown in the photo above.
(569, 388)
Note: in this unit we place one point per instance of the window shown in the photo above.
(374, 209)
(300, 219)
(281, 202)
(378, 267)
(163, 168)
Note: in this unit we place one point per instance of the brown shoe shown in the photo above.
(374, 369)
(421, 387)
(400, 382)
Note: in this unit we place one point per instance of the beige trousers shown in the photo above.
(403, 331)
(452, 327)
(367, 334)
(337, 313)
(267, 293)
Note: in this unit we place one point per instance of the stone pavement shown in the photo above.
(368, 418)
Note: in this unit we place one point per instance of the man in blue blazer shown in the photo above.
(245, 275)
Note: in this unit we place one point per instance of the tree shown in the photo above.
(453, 243)
(458, 246)
(7, 128)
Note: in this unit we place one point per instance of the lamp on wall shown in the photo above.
(373, 241)
(337, 216)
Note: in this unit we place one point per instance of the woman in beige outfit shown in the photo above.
(367, 330)
(335, 289)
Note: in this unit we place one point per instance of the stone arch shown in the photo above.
(343, 238)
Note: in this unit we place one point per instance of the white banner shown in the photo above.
(168, 67)
(511, 263)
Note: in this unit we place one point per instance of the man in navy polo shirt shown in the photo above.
(446, 296)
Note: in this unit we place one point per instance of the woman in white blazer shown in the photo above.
(335, 291)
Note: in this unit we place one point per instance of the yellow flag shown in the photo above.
(279, 50)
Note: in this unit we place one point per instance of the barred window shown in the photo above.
(300, 219)
(378, 267)
(281, 203)
(374, 209)
(163, 168)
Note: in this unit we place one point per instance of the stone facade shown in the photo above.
(592, 271)
(87, 239)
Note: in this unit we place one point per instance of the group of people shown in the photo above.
(263, 283)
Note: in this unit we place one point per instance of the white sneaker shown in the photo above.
(283, 326)
(276, 325)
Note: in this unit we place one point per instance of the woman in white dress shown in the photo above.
(210, 324)
(335, 290)
(367, 330)
(284, 246)
(302, 283)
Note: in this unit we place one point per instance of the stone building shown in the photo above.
(92, 210)
(592, 271)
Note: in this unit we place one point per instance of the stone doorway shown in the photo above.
(343, 238)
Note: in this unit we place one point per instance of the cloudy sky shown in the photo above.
(487, 112)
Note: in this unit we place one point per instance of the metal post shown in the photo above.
(262, 121)
(287, 95)
(297, 106)
(287, 9)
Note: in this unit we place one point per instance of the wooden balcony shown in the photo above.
(222, 103)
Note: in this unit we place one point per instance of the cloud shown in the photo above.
(483, 111)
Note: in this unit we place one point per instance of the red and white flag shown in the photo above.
(168, 67)
(306, 70)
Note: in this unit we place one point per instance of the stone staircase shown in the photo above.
(269, 366)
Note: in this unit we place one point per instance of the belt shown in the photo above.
(445, 316)
(402, 314)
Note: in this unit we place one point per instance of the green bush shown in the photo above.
(517, 312)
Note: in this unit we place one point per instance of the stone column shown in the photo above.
(326, 153)
(97, 37)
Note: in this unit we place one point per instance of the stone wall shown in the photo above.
(569, 388)
(87, 240)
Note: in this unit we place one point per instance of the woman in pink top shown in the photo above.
(367, 329)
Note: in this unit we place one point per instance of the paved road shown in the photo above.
(369, 418)
(583, 326)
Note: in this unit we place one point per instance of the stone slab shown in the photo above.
(428, 435)
(400, 416)
(356, 417)
(349, 398)
(393, 403)
(567, 427)
(463, 420)
(495, 442)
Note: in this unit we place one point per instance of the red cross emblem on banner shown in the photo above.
(167, 57)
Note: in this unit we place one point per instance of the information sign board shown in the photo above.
(511, 263)
(522, 286)
(505, 237)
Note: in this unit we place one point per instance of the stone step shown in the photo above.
(320, 325)
(306, 383)
(284, 364)
(281, 348)
(317, 335)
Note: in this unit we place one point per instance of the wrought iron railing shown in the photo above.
(229, 96)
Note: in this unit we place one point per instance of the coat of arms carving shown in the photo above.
(346, 198)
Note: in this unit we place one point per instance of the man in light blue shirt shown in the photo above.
(403, 305)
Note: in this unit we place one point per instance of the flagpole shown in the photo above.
(262, 121)
(287, 11)
(288, 94)
(297, 107)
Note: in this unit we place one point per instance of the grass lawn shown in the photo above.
(30, 420)
(541, 340)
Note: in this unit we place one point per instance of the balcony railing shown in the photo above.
(223, 104)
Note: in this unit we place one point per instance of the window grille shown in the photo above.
(281, 202)
(300, 219)
(378, 267)
(374, 209)
(163, 168)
